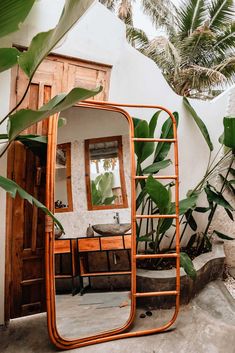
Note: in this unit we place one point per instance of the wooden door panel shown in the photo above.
(89, 78)
(30, 173)
(25, 237)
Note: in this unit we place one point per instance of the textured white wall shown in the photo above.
(100, 36)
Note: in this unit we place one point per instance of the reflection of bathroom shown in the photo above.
(92, 198)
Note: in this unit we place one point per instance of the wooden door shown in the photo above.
(25, 287)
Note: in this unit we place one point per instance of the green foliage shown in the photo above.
(12, 14)
(199, 123)
(163, 148)
(155, 198)
(229, 132)
(156, 167)
(223, 236)
(101, 189)
(13, 189)
(187, 265)
(44, 42)
(158, 194)
(8, 58)
(24, 118)
(196, 51)
(217, 197)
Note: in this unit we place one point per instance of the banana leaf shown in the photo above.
(12, 14)
(13, 189)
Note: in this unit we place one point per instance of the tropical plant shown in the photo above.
(158, 10)
(218, 166)
(101, 189)
(12, 13)
(155, 198)
(197, 52)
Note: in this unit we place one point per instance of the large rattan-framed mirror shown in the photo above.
(107, 240)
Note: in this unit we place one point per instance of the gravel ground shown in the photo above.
(229, 282)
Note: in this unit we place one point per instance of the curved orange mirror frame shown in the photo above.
(122, 332)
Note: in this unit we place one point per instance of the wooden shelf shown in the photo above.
(94, 274)
(102, 244)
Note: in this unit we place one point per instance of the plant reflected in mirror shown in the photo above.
(104, 173)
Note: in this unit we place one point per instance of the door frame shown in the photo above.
(10, 163)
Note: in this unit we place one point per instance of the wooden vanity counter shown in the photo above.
(104, 248)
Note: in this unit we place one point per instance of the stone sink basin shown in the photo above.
(111, 229)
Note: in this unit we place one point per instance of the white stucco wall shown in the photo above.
(100, 36)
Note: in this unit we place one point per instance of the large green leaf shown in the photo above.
(158, 194)
(12, 13)
(163, 148)
(105, 185)
(24, 118)
(153, 123)
(187, 265)
(165, 225)
(136, 121)
(8, 58)
(229, 132)
(141, 197)
(155, 167)
(223, 236)
(186, 204)
(191, 221)
(44, 42)
(141, 131)
(217, 198)
(109, 200)
(199, 123)
(36, 143)
(143, 149)
(95, 194)
(13, 189)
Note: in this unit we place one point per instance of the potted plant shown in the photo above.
(201, 259)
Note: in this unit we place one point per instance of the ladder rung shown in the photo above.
(156, 216)
(156, 176)
(156, 294)
(148, 139)
(155, 256)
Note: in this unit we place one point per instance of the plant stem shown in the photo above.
(18, 104)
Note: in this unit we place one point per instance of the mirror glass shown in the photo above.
(92, 198)
(105, 181)
(63, 189)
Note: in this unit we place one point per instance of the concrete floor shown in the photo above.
(206, 325)
(103, 311)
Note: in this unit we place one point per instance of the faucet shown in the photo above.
(117, 218)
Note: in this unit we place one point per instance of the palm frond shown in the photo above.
(164, 53)
(198, 78)
(137, 37)
(221, 13)
(198, 47)
(192, 15)
(125, 12)
(226, 40)
(110, 4)
(227, 68)
(161, 12)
